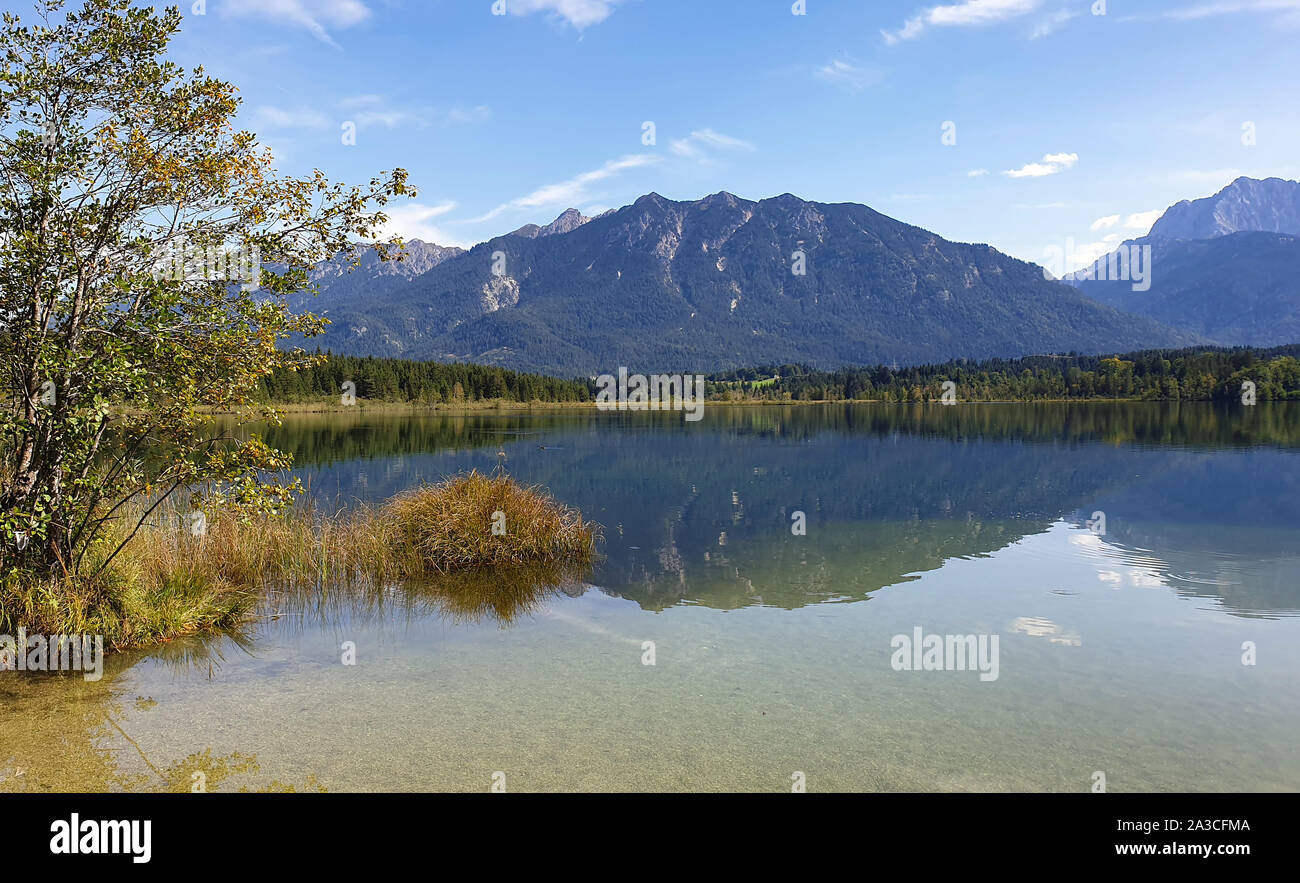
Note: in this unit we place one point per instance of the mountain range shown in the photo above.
(725, 282)
(1223, 267)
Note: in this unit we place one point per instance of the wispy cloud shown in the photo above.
(376, 110)
(1052, 23)
(268, 116)
(1232, 7)
(977, 173)
(1085, 254)
(1140, 221)
(698, 144)
(314, 16)
(571, 192)
(1049, 165)
(849, 76)
(412, 221)
(365, 111)
(579, 13)
(966, 14)
(1124, 227)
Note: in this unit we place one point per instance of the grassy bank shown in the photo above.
(168, 582)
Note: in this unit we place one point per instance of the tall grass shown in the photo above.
(167, 582)
(477, 520)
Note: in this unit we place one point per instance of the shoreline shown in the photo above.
(503, 406)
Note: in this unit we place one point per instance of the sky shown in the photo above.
(1025, 124)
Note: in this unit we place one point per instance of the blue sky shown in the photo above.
(1067, 125)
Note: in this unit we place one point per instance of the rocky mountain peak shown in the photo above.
(1271, 205)
(569, 220)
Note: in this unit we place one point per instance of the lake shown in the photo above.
(1136, 567)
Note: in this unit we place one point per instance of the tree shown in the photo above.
(138, 232)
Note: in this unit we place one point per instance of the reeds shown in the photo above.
(170, 580)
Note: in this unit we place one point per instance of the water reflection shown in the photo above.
(499, 595)
(1119, 654)
(701, 513)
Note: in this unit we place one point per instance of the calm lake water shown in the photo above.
(1121, 650)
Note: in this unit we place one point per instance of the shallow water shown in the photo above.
(1119, 652)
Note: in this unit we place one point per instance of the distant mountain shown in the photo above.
(1246, 205)
(374, 278)
(1239, 289)
(1225, 267)
(570, 220)
(664, 286)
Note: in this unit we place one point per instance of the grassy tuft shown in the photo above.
(167, 583)
(477, 520)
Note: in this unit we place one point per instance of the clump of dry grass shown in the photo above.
(476, 520)
(122, 603)
(167, 582)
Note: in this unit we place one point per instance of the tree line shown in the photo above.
(403, 380)
(1192, 374)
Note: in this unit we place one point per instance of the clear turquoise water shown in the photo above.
(1119, 653)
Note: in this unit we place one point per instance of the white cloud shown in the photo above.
(977, 173)
(366, 111)
(1232, 7)
(696, 145)
(268, 116)
(571, 192)
(911, 29)
(717, 139)
(1049, 165)
(579, 13)
(849, 76)
(964, 14)
(1061, 159)
(979, 12)
(375, 110)
(1032, 170)
(1086, 254)
(371, 110)
(411, 221)
(1143, 221)
(1052, 23)
(313, 16)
